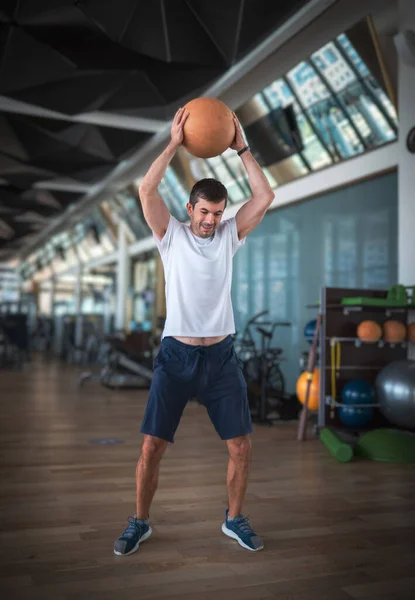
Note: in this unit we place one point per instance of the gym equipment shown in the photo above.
(387, 445)
(397, 295)
(335, 352)
(341, 451)
(309, 330)
(358, 397)
(128, 365)
(359, 360)
(87, 348)
(14, 339)
(394, 331)
(395, 385)
(314, 388)
(411, 332)
(209, 129)
(369, 331)
(261, 368)
(311, 369)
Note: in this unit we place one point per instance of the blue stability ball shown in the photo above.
(309, 330)
(357, 391)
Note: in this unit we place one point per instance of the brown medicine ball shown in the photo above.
(209, 129)
(394, 331)
(369, 331)
(411, 332)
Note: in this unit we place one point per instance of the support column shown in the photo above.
(406, 168)
(78, 309)
(52, 296)
(406, 162)
(123, 278)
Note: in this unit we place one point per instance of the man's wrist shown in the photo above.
(173, 146)
(242, 150)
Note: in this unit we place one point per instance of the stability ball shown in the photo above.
(355, 392)
(301, 388)
(369, 331)
(209, 129)
(395, 385)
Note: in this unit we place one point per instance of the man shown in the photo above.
(197, 357)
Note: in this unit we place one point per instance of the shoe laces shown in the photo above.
(243, 524)
(132, 529)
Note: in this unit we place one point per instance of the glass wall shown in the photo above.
(345, 238)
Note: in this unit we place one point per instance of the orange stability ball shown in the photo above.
(209, 129)
(394, 331)
(301, 388)
(369, 331)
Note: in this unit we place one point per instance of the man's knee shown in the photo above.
(240, 448)
(152, 449)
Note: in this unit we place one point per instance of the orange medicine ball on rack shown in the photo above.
(411, 332)
(369, 331)
(394, 331)
(209, 129)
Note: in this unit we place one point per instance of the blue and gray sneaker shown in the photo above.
(137, 531)
(239, 529)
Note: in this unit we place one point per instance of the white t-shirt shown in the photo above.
(198, 275)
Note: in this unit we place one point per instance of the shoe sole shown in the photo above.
(233, 535)
(142, 539)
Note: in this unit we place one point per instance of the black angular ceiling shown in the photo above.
(123, 57)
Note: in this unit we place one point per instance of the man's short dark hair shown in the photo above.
(208, 189)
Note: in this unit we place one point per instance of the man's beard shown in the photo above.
(206, 230)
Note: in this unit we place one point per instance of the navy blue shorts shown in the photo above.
(213, 374)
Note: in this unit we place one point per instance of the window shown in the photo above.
(174, 194)
(320, 63)
(314, 151)
(330, 56)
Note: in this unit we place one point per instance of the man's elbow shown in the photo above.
(266, 200)
(269, 198)
(143, 189)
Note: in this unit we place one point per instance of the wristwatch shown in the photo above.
(243, 150)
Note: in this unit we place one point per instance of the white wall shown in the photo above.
(346, 173)
(406, 161)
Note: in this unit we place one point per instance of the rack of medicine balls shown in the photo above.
(364, 379)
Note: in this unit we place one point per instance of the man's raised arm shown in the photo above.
(155, 211)
(252, 212)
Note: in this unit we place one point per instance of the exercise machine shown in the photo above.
(128, 362)
(261, 366)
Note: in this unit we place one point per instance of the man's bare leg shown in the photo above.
(147, 473)
(237, 479)
(238, 470)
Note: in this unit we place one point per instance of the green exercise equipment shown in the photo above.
(387, 445)
(341, 451)
(397, 295)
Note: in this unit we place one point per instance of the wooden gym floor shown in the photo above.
(331, 531)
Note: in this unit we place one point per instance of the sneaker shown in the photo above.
(239, 529)
(137, 531)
